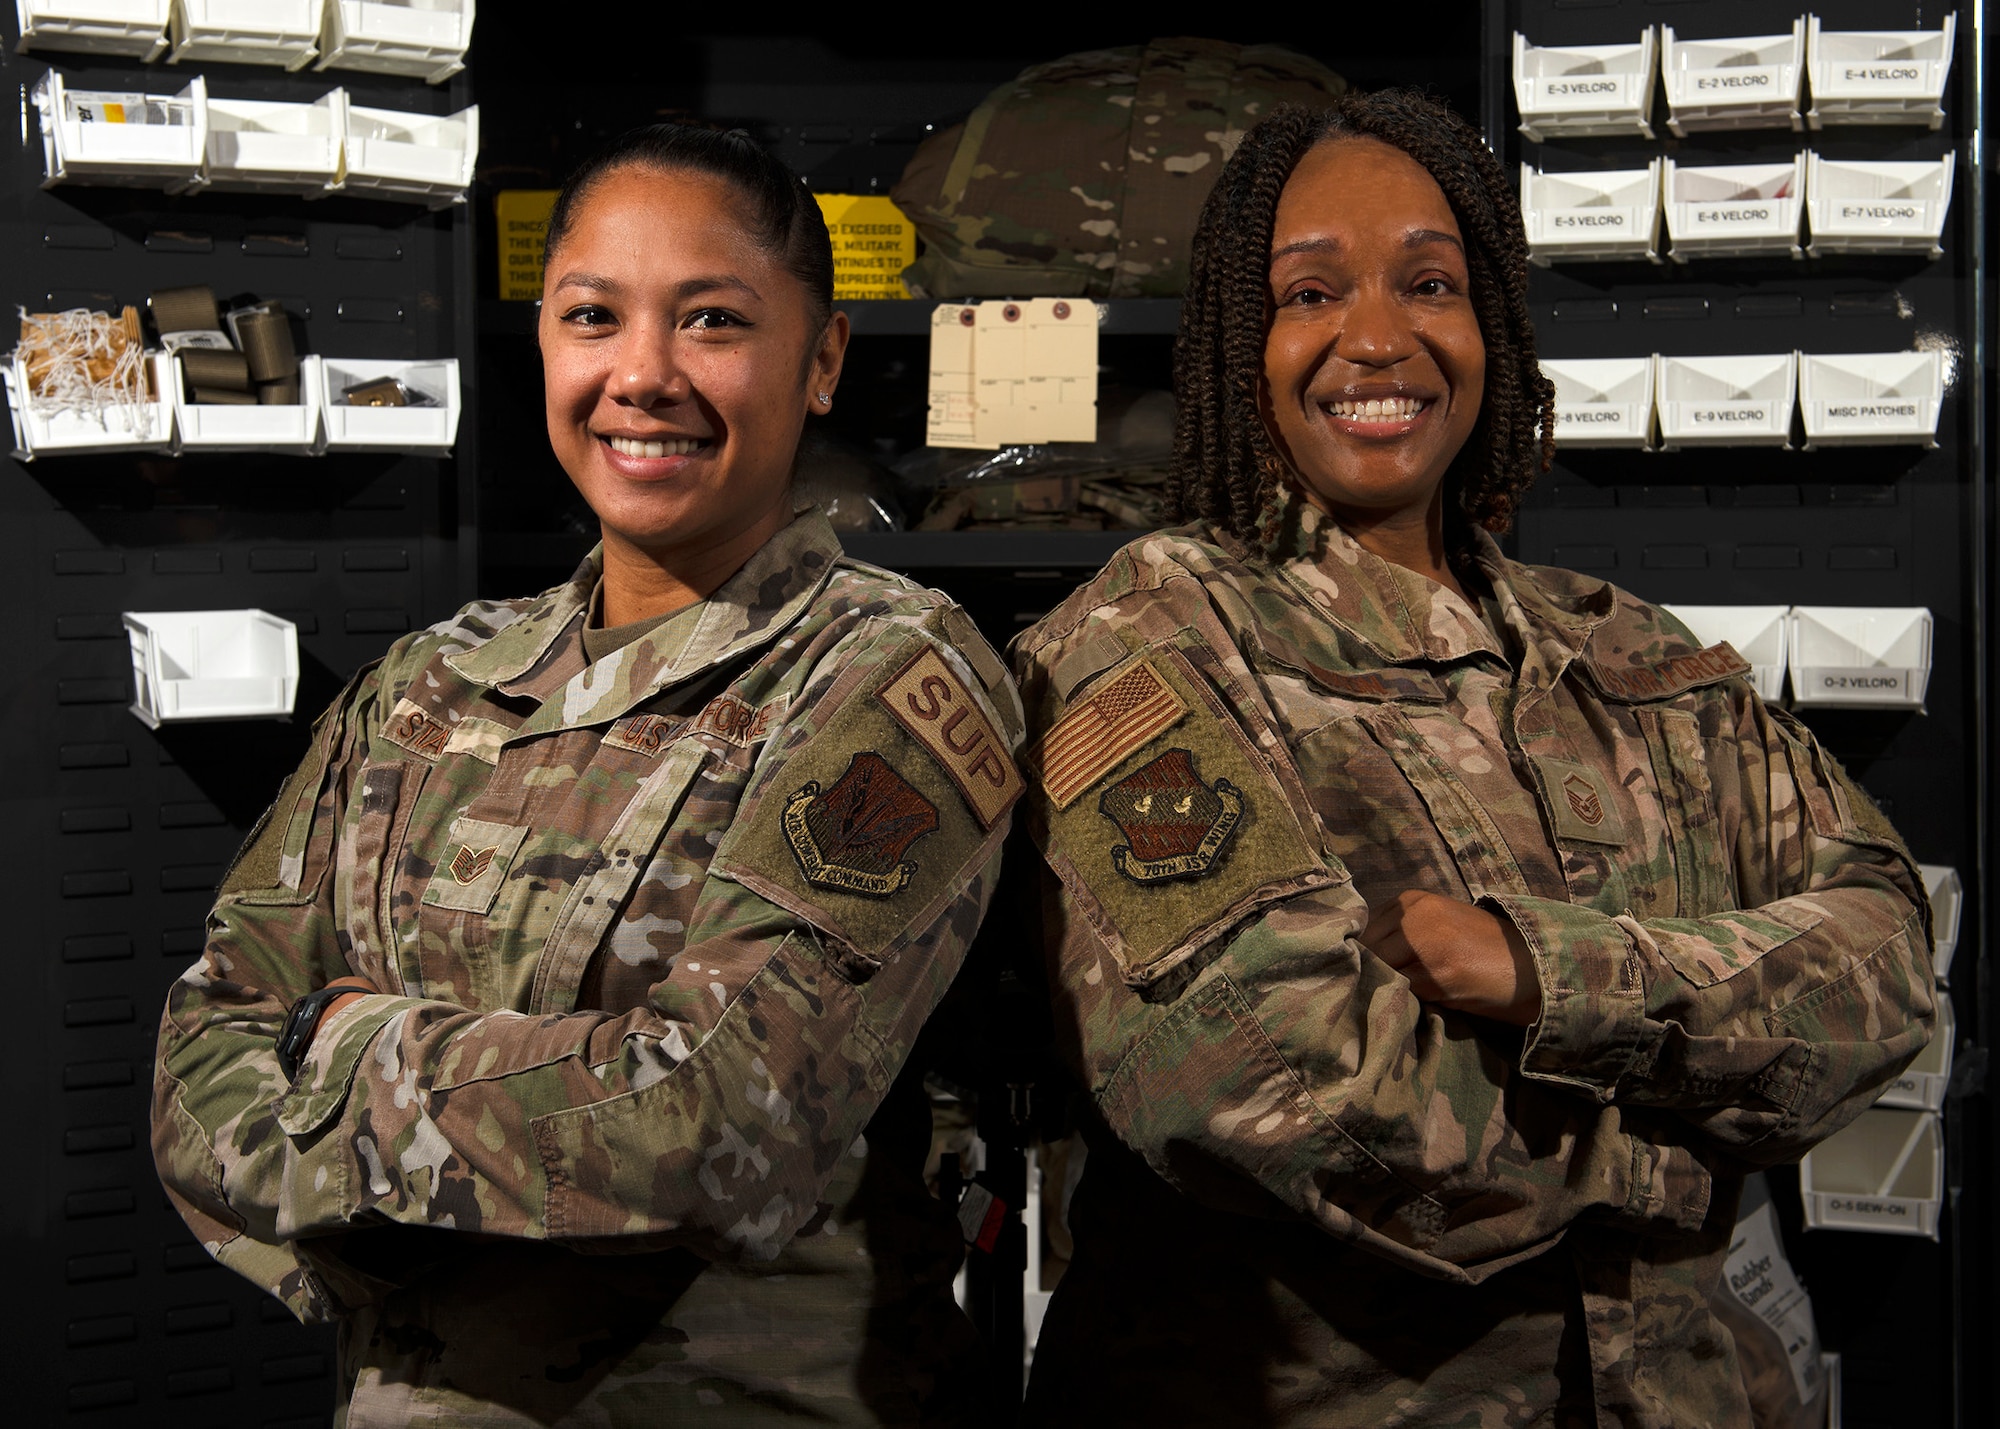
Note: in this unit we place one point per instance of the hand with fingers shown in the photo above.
(1457, 955)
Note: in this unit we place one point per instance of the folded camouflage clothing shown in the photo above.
(1084, 176)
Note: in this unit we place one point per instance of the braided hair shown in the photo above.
(1226, 468)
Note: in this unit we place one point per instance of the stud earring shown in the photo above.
(824, 398)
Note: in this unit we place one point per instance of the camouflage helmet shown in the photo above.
(1085, 175)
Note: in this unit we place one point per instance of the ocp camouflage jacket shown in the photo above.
(1312, 1198)
(656, 935)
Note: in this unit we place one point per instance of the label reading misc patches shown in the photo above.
(932, 703)
(473, 864)
(1175, 824)
(417, 730)
(1099, 732)
(1668, 677)
(1579, 802)
(853, 836)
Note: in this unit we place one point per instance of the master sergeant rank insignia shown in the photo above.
(1175, 825)
(853, 836)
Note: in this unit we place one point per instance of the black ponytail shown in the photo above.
(781, 213)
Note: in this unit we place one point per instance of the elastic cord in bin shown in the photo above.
(265, 335)
(221, 371)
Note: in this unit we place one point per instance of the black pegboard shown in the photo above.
(116, 835)
(1858, 526)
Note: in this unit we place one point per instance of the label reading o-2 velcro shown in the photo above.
(933, 704)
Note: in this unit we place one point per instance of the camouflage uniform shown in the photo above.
(655, 936)
(1084, 176)
(1312, 1199)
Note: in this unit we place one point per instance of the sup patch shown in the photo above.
(853, 836)
(1176, 825)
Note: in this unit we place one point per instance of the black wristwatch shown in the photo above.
(300, 1024)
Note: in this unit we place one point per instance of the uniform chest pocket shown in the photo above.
(1694, 836)
(477, 857)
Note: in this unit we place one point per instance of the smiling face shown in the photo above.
(1373, 366)
(680, 359)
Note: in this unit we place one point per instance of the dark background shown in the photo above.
(117, 835)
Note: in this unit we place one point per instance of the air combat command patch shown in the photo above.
(1175, 825)
(853, 836)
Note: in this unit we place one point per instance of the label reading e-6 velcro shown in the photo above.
(934, 705)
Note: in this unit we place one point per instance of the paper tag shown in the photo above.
(953, 404)
(1000, 374)
(1761, 1277)
(1062, 367)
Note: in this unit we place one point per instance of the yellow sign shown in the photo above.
(872, 244)
(523, 223)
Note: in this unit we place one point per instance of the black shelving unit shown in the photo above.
(115, 834)
(1872, 526)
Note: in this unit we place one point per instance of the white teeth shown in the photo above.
(630, 446)
(1379, 408)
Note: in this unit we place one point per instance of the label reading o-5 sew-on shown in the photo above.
(473, 864)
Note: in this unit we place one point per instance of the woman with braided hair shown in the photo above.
(1438, 940)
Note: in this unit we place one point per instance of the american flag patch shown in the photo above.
(1097, 734)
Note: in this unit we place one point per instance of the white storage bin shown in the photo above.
(98, 27)
(246, 32)
(212, 664)
(267, 147)
(117, 137)
(1855, 399)
(1750, 82)
(1726, 401)
(1757, 631)
(1883, 1173)
(145, 427)
(1734, 209)
(425, 38)
(413, 156)
(1866, 207)
(1878, 76)
(1585, 89)
(209, 427)
(1947, 896)
(430, 429)
(1922, 1085)
(1583, 216)
(1603, 401)
(1860, 654)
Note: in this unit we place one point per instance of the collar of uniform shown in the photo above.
(521, 644)
(1555, 611)
(763, 598)
(1401, 616)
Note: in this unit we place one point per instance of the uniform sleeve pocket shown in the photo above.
(1713, 950)
(327, 1076)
